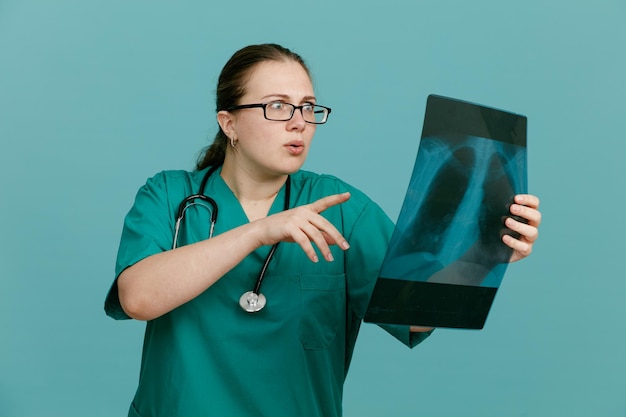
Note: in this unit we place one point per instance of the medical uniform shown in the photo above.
(208, 357)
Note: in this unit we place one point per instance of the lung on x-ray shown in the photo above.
(446, 258)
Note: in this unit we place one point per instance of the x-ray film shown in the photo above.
(446, 258)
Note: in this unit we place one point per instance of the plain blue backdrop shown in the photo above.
(96, 96)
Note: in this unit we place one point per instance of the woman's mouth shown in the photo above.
(295, 147)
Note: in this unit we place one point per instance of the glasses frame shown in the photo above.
(293, 110)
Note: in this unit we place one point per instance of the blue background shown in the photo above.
(96, 96)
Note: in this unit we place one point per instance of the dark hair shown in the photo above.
(231, 86)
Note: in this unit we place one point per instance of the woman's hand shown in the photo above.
(303, 225)
(525, 206)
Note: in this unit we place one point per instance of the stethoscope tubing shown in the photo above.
(259, 281)
(188, 202)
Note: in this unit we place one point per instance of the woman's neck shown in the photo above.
(255, 193)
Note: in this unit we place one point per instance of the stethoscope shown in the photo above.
(250, 301)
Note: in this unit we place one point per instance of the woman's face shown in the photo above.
(265, 147)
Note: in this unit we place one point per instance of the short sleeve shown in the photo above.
(148, 229)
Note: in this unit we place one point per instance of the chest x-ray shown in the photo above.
(446, 258)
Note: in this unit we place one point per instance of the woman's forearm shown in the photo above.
(161, 282)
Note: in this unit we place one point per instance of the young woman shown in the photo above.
(205, 353)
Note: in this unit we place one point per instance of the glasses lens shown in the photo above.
(277, 110)
(281, 111)
(314, 114)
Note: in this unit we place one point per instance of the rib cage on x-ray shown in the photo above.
(465, 182)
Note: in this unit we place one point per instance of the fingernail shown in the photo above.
(329, 257)
(345, 245)
(315, 258)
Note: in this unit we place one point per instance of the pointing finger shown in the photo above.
(326, 202)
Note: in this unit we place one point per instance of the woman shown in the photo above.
(203, 354)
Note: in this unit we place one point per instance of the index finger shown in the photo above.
(528, 200)
(322, 204)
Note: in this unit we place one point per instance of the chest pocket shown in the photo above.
(323, 299)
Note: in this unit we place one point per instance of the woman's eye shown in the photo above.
(308, 107)
(277, 105)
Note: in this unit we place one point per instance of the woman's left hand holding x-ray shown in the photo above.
(525, 206)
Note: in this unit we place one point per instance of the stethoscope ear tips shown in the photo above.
(252, 302)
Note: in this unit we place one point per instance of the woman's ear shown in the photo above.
(226, 121)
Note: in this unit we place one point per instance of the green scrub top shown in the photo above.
(210, 358)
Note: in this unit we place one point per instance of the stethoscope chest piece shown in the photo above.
(252, 302)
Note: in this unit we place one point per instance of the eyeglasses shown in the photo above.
(280, 111)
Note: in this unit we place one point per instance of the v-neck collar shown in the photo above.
(232, 214)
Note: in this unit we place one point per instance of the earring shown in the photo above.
(233, 142)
